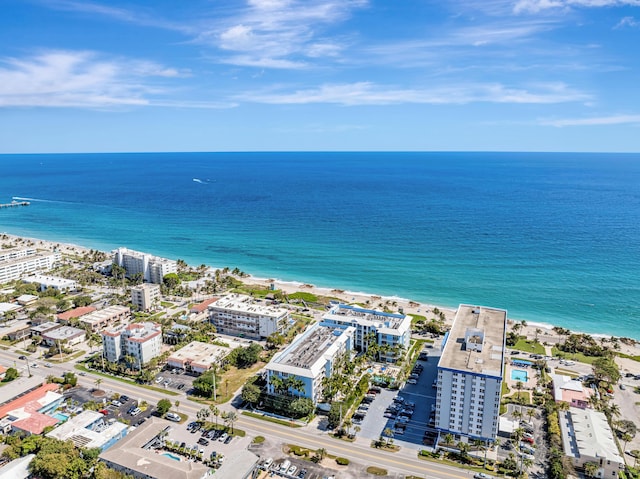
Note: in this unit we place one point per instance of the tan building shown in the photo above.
(145, 296)
(106, 317)
(198, 357)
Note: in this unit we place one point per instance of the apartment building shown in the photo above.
(389, 330)
(587, 438)
(310, 358)
(142, 341)
(105, 318)
(61, 284)
(470, 374)
(153, 268)
(241, 315)
(18, 262)
(145, 296)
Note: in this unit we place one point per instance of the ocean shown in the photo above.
(551, 237)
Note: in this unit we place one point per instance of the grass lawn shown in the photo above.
(304, 296)
(574, 356)
(81, 367)
(566, 372)
(628, 356)
(529, 346)
(416, 318)
(274, 420)
(233, 379)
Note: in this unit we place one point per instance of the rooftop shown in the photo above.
(200, 307)
(76, 313)
(54, 281)
(198, 353)
(5, 307)
(475, 343)
(369, 317)
(131, 454)
(106, 313)
(44, 327)
(586, 432)
(246, 304)
(88, 429)
(65, 332)
(237, 465)
(23, 412)
(309, 351)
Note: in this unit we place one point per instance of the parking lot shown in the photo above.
(406, 412)
(174, 379)
(113, 409)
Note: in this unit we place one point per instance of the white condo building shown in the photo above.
(153, 268)
(389, 329)
(18, 262)
(142, 341)
(310, 358)
(470, 374)
(145, 296)
(241, 315)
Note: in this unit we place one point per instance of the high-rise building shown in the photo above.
(241, 315)
(470, 374)
(145, 296)
(18, 262)
(152, 268)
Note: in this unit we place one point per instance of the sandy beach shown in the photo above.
(547, 335)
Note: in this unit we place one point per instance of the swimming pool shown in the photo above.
(175, 458)
(60, 417)
(519, 375)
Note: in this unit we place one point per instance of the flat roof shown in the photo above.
(6, 307)
(237, 465)
(473, 322)
(392, 322)
(49, 280)
(76, 312)
(65, 332)
(586, 432)
(105, 313)
(309, 351)
(129, 453)
(198, 353)
(88, 429)
(246, 304)
(44, 327)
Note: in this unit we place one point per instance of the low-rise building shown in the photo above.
(27, 299)
(309, 359)
(11, 308)
(142, 341)
(197, 357)
(18, 468)
(132, 455)
(75, 313)
(200, 311)
(89, 429)
(61, 284)
(105, 318)
(390, 331)
(588, 439)
(43, 328)
(569, 390)
(63, 336)
(145, 296)
(241, 315)
(31, 412)
(15, 263)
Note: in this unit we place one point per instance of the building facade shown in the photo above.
(309, 359)
(61, 284)
(105, 318)
(141, 341)
(470, 374)
(241, 315)
(145, 296)
(390, 331)
(197, 357)
(152, 268)
(17, 263)
(65, 335)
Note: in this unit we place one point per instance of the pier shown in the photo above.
(14, 203)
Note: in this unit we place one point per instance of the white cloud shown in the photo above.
(366, 93)
(535, 6)
(83, 80)
(628, 22)
(597, 121)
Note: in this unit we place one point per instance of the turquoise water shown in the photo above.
(553, 238)
(60, 416)
(168, 454)
(519, 375)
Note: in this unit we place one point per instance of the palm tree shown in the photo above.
(98, 382)
(531, 413)
(321, 453)
(481, 446)
(203, 414)
(177, 404)
(590, 469)
(216, 412)
(464, 449)
(230, 418)
(448, 439)
(347, 424)
(387, 433)
(526, 464)
(517, 435)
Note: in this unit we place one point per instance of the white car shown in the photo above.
(292, 470)
(159, 379)
(412, 381)
(172, 416)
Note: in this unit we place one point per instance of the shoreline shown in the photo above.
(377, 301)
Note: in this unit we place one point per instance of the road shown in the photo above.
(405, 461)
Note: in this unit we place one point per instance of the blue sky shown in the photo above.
(216, 75)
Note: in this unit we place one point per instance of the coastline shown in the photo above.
(547, 334)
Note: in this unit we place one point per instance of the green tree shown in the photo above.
(80, 301)
(591, 469)
(300, 407)
(605, 369)
(230, 418)
(251, 393)
(275, 340)
(215, 411)
(70, 379)
(163, 406)
(171, 280)
(203, 414)
(10, 375)
(335, 415)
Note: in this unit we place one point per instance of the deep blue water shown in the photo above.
(553, 238)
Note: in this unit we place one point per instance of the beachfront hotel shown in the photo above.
(310, 358)
(142, 341)
(241, 315)
(388, 329)
(152, 268)
(470, 374)
(18, 262)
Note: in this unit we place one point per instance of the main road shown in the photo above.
(404, 461)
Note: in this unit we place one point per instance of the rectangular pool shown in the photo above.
(519, 375)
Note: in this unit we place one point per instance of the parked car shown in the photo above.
(292, 470)
(203, 441)
(481, 475)
(223, 437)
(172, 416)
(124, 398)
(412, 381)
(228, 439)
